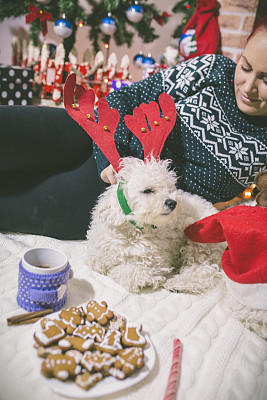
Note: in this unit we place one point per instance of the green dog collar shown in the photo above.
(125, 206)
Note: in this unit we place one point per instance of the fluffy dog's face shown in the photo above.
(149, 188)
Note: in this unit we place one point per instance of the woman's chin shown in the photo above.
(250, 106)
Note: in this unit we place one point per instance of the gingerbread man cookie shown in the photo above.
(98, 311)
(71, 318)
(128, 360)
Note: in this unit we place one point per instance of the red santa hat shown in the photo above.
(244, 262)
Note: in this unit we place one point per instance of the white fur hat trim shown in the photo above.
(253, 295)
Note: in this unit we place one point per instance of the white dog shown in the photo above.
(137, 232)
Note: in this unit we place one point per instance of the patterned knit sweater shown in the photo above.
(215, 149)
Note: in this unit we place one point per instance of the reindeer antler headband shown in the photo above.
(145, 123)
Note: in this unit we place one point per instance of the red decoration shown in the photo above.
(171, 390)
(205, 24)
(244, 229)
(36, 13)
(154, 138)
(103, 132)
(162, 18)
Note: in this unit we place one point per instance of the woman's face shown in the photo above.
(251, 77)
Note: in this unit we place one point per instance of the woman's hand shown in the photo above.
(233, 202)
(108, 175)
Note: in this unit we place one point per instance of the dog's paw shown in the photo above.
(177, 284)
(98, 264)
(134, 278)
(195, 279)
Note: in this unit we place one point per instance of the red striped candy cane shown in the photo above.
(174, 375)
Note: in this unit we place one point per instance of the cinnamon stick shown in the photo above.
(28, 318)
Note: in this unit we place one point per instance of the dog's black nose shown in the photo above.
(171, 204)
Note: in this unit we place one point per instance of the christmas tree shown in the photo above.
(187, 8)
(99, 9)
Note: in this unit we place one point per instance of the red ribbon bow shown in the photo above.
(36, 13)
(161, 19)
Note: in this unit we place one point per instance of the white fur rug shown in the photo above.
(221, 359)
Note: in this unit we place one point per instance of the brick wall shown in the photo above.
(236, 19)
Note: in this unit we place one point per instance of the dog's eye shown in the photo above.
(147, 191)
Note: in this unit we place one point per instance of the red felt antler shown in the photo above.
(102, 132)
(154, 138)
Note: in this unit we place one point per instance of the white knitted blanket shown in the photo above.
(220, 358)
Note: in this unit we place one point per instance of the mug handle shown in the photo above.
(48, 296)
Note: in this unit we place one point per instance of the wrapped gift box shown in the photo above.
(16, 84)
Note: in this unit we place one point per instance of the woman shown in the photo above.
(219, 143)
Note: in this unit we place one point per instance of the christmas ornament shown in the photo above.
(108, 25)
(36, 13)
(148, 62)
(63, 27)
(135, 13)
(91, 15)
(139, 59)
(43, 1)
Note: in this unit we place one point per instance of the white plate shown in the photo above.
(105, 387)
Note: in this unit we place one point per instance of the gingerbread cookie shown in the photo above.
(111, 342)
(117, 373)
(71, 318)
(97, 361)
(117, 323)
(76, 354)
(88, 380)
(76, 343)
(60, 366)
(92, 331)
(98, 311)
(43, 352)
(128, 360)
(89, 343)
(50, 333)
(132, 336)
